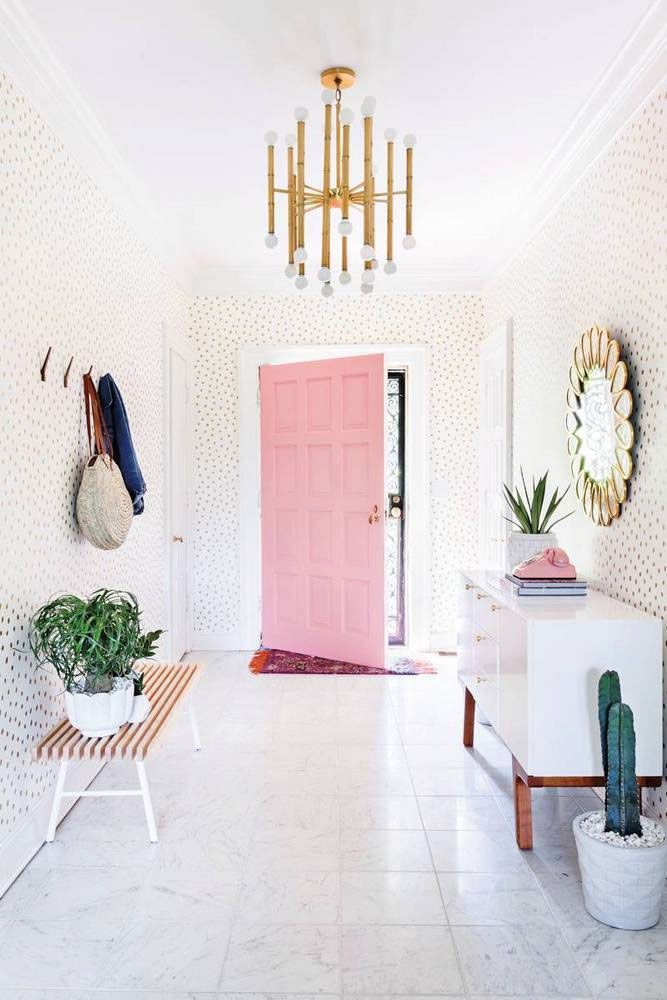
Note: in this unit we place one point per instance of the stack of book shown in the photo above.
(545, 588)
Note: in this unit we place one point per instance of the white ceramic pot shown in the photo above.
(522, 546)
(140, 709)
(101, 714)
(623, 886)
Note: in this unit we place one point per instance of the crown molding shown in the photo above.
(42, 79)
(633, 76)
(270, 280)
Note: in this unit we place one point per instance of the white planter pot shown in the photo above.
(521, 546)
(100, 714)
(623, 886)
(141, 706)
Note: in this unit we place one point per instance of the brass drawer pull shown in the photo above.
(479, 638)
(482, 597)
(479, 679)
(496, 607)
(470, 586)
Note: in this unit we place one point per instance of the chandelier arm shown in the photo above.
(338, 145)
(408, 191)
(368, 165)
(300, 174)
(307, 187)
(357, 187)
(345, 192)
(326, 187)
(390, 200)
(291, 236)
(270, 150)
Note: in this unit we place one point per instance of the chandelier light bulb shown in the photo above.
(367, 252)
(346, 116)
(301, 114)
(290, 140)
(328, 96)
(290, 270)
(375, 263)
(368, 107)
(270, 137)
(271, 240)
(301, 281)
(390, 134)
(368, 277)
(390, 267)
(324, 274)
(327, 290)
(344, 227)
(409, 242)
(409, 140)
(300, 255)
(345, 277)
(366, 288)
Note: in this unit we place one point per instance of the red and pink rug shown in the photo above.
(278, 661)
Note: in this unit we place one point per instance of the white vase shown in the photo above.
(521, 546)
(101, 714)
(623, 886)
(140, 709)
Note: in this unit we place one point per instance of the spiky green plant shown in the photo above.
(89, 641)
(609, 692)
(617, 741)
(529, 513)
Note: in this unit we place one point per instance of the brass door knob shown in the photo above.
(178, 538)
(373, 517)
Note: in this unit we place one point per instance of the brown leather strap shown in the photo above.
(95, 420)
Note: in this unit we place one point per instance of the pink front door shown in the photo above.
(322, 440)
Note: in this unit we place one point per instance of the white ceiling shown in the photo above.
(185, 91)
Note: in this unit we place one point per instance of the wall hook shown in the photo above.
(66, 375)
(90, 371)
(42, 370)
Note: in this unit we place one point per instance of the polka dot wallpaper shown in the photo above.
(73, 277)
(451, 326)
(601, 258)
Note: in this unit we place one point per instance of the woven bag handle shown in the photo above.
(94, 417)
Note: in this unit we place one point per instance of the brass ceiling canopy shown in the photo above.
(336, 194)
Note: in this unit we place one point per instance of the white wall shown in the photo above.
(601, 258)
(451, 326)
(73, 276)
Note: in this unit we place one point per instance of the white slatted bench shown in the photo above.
(166, 685)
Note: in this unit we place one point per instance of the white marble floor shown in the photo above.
(333, 838)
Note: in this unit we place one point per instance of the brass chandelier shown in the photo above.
(336, 193)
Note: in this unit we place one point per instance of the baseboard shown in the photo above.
(24, 842)
(216, 640)
(443, 642)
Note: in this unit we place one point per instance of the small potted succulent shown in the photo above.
(533, 520)
(622, 855)
(93, 644)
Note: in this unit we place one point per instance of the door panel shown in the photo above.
(178, 502)
(322, 443)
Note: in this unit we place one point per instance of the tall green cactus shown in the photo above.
(622, 793)
(609, 692)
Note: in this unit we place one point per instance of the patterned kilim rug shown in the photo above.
(278, 661)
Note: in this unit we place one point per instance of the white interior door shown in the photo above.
(495, 445)
(178, 541)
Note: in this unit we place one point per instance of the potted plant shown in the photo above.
(533, 520)
(141, 706)
(622, 855)
(93, 644)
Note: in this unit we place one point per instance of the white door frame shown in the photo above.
(418, 576)
(171, 339)
(500, 338)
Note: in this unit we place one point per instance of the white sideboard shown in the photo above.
(532, 665)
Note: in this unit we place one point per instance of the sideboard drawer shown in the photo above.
(486, 615)
(484, 676)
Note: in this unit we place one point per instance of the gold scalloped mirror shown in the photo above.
(598, 422)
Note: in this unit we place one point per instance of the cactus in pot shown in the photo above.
(622, 856)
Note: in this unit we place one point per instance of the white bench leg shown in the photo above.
(57, 799)
(148, 804)
(196, 741)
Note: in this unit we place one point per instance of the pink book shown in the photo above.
(552, 564)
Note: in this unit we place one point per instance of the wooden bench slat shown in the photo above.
(164, 684)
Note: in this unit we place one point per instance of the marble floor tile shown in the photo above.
(458, 812)
(385, 850)
(399, 960)
(375, 779)
(284, 897)
(296, 814)
(379, 812)
(420, 734)
(97, 846)
(295, 852)
(391, 898)
(449, 781)
(494, 852)
(282, 958)
(84, 893)
(193, 896)
(619, 964)
(517, 961)
(494, 899)
(41, 953)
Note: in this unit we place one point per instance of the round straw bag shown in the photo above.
(103, 505)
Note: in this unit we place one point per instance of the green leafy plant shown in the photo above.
(138, 681)
(617, 740)
(90, 641)
(529, 512)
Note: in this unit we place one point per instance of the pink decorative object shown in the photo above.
(551, 564)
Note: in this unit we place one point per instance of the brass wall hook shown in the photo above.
(42, 370)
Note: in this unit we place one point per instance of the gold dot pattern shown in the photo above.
(600, 259)
(73, 276)
(451, 326)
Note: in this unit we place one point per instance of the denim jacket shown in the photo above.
(120, 440)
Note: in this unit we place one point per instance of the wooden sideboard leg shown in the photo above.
(468, 719)
(523, 813)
